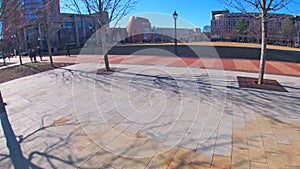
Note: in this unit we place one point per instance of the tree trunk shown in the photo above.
(49, 50)
(263, 53)
(104, 48)
(48, 44)
(47, 37)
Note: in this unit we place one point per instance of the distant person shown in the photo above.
(3, 57)
(32, 55)
(8, 56)
(67, 50)
(40, 53)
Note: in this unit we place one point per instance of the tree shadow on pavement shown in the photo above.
(273, 105)
(259, 101)
(48, 154)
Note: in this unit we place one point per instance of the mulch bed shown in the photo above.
(249, 82)
(103, 71)
(2, 65)
(27, 69)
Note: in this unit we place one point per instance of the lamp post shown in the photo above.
(175, 16)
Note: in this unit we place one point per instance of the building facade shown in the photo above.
(223, 24)
(25, 29)
(139, 30)
(76, 29)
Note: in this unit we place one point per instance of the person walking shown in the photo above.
(8, 56)
(15, 53)
(4, 57)
(40, 53)
(32, 55)
(67, 50)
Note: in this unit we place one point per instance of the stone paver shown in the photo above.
(151, 117)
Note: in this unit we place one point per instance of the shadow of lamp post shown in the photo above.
(175, 16)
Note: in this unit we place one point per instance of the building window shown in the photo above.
(88, 24)
(68, 25)
(79, 24)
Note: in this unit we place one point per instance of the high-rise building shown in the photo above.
(25, 27)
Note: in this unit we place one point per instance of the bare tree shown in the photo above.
(263, 7)
(288, 29)
(48, 17)
(254, 30)
(7, 32)
(106, 11)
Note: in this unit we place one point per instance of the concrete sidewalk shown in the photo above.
(151, 117)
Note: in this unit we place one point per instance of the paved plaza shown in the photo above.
(150, 116)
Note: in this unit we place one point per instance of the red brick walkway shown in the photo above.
(246, 65)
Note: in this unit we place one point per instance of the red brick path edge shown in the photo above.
(245, 65)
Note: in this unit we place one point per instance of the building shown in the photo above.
(223, 26)
(297, 37)
(76, 29)
(25, 29)
(139, 30)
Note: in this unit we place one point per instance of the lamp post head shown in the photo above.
(175, 15)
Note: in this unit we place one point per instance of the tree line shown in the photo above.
(246, 31)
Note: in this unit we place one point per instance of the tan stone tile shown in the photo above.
(280, 136)
(163, 160)
(293, 133)
(275, 160)
(256, 165)
(270, 144)
(106, 138)
(194, 166)
(177, 164)
(138, 163)
(264, 126)
(258, 144)
(119, 127)
(275, 124)
(133, 146)
(257, 154)
(201, 159)
(240, 158)
(253, 132)
(169, 154)
(103, 156)
(158, 163)
(239, 139)
(84, 141)
(116, 162)
(221, 162)
(291, 167)
(183, 156)
(296, 146)
(289, 158)
(92, 163)
(151, 148)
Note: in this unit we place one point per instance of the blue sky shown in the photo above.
(195, 11)
(192, 13)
